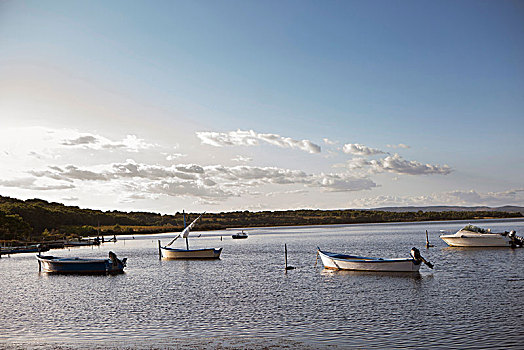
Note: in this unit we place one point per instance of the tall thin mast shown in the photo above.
(187, 241)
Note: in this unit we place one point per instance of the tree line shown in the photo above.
(36, 219)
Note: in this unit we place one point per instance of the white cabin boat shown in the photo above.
(336, 261)
(169, 252)
(473, 236)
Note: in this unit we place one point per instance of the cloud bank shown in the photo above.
(397, 165)
(457, 197)
(252, 138)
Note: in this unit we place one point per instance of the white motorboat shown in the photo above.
(169, 252)
(473, 236)
(360, 263)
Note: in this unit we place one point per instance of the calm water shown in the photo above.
(474, 298)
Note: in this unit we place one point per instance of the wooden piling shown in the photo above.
(427, 240)
(287, 267)
(159, 250)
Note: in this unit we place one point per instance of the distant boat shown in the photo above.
(81, 243)
(360, 263)
(239, 235)
(24, 249)
(75, 265)
(177, 253)
(473, 236)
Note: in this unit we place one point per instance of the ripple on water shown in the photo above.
(246, 300)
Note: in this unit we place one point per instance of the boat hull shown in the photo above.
(357, 263)
(476, 240)
(206, 253)
(57, 265)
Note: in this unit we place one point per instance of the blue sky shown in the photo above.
(234, 105)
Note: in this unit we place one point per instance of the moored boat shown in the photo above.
(76, 265)
(205, 253)
(239, 235)
(473, 236)
(337, 261)
(169, 252)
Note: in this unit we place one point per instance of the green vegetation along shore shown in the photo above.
(39, 220)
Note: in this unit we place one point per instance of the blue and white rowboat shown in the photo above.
(75, 265)
(360, 263)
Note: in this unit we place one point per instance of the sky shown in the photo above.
(163, 106)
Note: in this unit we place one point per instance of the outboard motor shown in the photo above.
(415, 253)
(516, 241)
(115, 260)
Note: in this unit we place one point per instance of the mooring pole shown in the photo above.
(159, 250)
(285, 250)
(427, 240)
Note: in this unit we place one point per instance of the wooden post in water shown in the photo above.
(159, 251)
(285, 249)
(287, 267)
(427, 240)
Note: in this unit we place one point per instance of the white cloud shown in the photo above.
(30, 184)
(252, 138)
(174, 156)
(242, 159)
(81, 140)
(130, 143)
(361, 150)
(457, 197)
(212, 181)
(400, 145)
(329, 142)
(396, 164)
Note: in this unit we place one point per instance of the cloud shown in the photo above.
(212, 181)
(329, 142)
(456, 197)
(242, 159)
(361, 150)
(29, 184)
(252, 138)
(70, 173)
(81, 140)
(174, 156)
(396, 164)
(400, 145)
(130, 143)
(343, 183)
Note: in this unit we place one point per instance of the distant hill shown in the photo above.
(439, 208)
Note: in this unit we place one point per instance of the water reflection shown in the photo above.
(246, 300)
(378, 274)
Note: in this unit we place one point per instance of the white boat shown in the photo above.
(239, 235)
(473, 236)
(336, 261)
(169, 252)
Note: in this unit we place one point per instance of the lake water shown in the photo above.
(473, 298)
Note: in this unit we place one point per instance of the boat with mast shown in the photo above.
(169, 252)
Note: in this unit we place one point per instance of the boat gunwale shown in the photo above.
(190, 250)
(358, 259)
